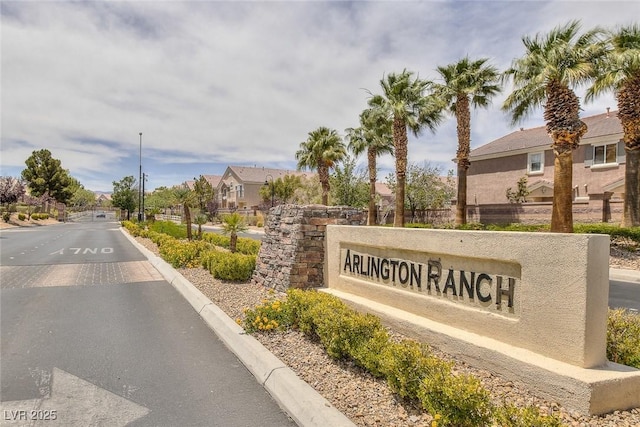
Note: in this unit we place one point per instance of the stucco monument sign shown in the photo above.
(532, 306)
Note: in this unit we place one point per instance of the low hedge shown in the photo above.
(243, 245)
(228, 266)
(410, 369)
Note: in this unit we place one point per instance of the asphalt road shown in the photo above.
(624, 295)
(91, 334)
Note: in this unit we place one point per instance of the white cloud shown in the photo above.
(217, 83)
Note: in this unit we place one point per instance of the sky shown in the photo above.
(211, 84)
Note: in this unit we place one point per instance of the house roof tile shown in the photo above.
(598, 125)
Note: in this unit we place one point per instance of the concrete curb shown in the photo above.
(297, 398)
(626, 275)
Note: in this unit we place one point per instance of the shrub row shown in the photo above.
(227, 265)
(243, 245)
(410, 369)
(38, 216)
(179, 253)
(178, 231)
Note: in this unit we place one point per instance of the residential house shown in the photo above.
(239, 186)
(598, 173)
(214, 180)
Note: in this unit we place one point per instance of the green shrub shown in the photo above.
(623, 337)
(459, 400)
(244, 245)
(133, 228)
(301, 304)
(530, 416)
(160, 239)
(248, 246)
(229, 266)
(270, 315)
(342, 331)
(406, 363)
(22, 216)
(6, 216)
(182, 253)
(178, 231)
(217, 239)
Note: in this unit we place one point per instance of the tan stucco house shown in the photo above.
(598, 167)
(239, 186)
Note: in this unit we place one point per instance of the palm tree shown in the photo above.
(233, 224)
(186, 198)
(545, 75)
(376, 137)
(321, 151)
(407, 106)
(619, 71)
(466, 84)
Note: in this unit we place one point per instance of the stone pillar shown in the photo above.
(292, 251)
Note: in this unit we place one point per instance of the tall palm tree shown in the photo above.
(466, 84)
(619, 71)
(374, 135)
(551, 67)
(321, 151)
(407, 105)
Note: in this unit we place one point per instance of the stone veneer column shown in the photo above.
(292, 251)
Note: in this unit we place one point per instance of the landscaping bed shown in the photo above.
(366, 400)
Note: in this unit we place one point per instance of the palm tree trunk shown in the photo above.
(463, 118)
(400, 142)
(187, 219)
(461, 200)
(562, 213)
(631, 216)
(628, 110)
(323, 175)
(233, 242)
(371, 160)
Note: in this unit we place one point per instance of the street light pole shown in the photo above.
(140, 183)
(144, 178)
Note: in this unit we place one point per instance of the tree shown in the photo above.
(160, 199)
(45, 176)
(187, 198)
(321, 151)
(204, 192)
(520, 195)
(425, 189)
(466, 84)
(283, 188)
(11, 189)
(552, 65)
(375, 136)
(406, 104)
(233, 224)
(81, 198)
(349, 186)
(309, 192)
(619, 71)
(125, 194)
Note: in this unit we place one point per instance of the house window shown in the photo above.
(604, 154)
(535, 163)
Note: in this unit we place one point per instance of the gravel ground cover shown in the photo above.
(366, 400)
